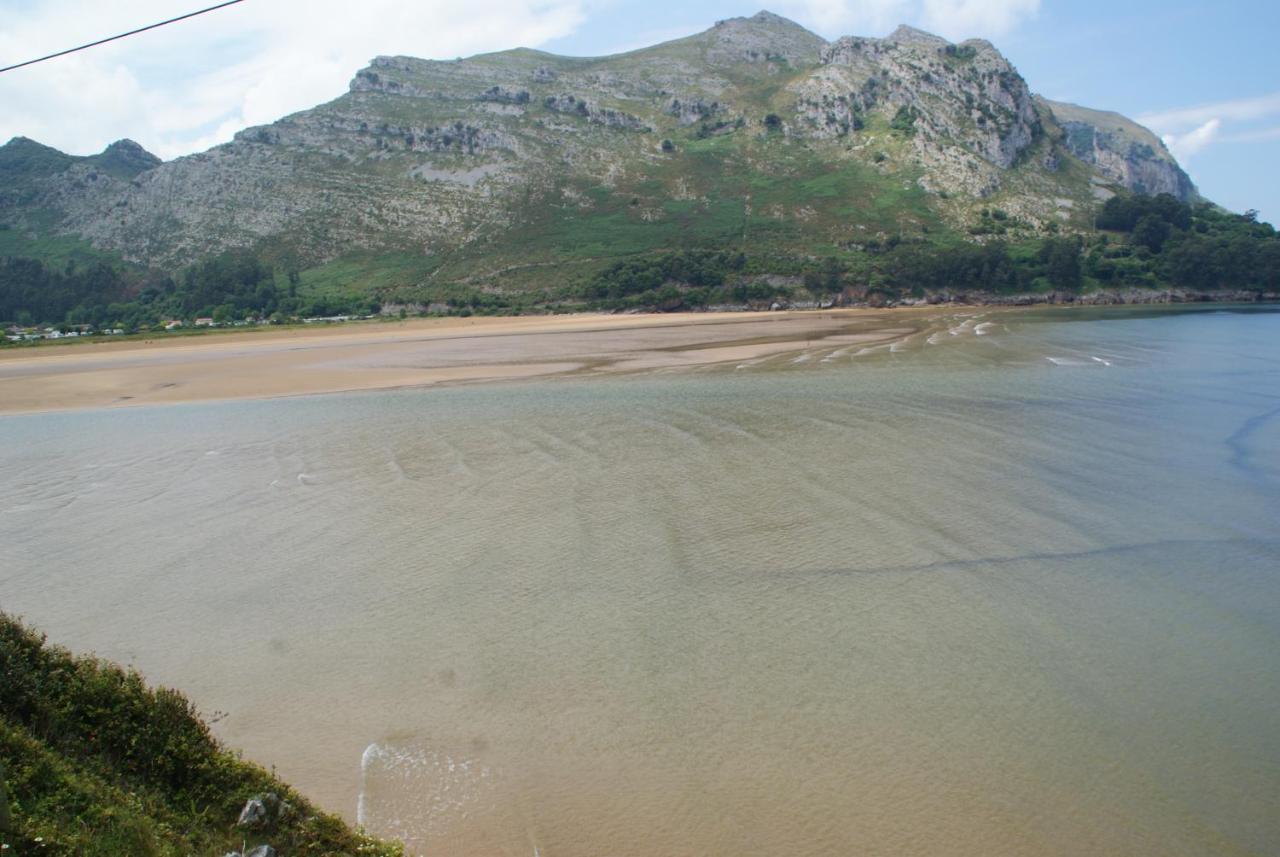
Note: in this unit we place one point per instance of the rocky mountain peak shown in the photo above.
(764, 18)
(22, 158)
(911, 35)
(125, 159)
(957, 101)
(125, 147)
(765, 36)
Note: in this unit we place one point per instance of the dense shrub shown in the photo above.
(96, 762)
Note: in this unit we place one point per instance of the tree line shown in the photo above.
(226, 288)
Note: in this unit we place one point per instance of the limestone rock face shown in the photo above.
(964, 95)
(761, 39)
(1121, 150)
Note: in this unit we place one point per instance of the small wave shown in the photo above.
(935, 338)
(1100, 360)
(44, 506)
(984, 328)
(306, 479)
(411, 791)
(1067, 361)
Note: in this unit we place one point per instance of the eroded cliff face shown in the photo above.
(1121, 150)
(966, 95)
(755, 121)
(969, 113)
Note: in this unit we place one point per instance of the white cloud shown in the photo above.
(1188, 131)
(1240, 110)
(1264, 135)
(190, 85)
(963, 18)
(955, 19)
(1184, 146)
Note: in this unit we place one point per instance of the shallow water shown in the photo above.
(1010, 585)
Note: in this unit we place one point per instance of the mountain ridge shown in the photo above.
(755, 132)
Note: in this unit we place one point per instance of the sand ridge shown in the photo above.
(416, 352)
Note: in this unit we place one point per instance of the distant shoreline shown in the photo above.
(410, 353)
(423, 352)
(955, 300)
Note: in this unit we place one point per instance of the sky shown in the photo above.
(1205, 77)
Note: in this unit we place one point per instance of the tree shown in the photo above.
(1062, 262)
(904, 120)
(1151, 231)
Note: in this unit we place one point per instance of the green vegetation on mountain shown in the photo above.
(520, 181)
(1141, 242)
(95, 762)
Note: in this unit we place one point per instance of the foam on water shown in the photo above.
(414, 792)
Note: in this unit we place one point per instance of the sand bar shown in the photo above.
(416, 352)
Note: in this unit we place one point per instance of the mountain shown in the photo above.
(521, 168)
(35, 175)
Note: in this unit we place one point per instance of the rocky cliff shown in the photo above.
(1121, 150)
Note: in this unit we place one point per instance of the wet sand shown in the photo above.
(419, 352)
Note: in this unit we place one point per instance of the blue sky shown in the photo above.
(1204, 76)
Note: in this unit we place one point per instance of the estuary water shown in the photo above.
(1009, 585)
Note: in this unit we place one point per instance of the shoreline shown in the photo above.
(415, 353)
(944, 300)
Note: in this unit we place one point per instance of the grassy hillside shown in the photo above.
(95, 762)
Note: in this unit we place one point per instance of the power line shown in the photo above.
(122, 35)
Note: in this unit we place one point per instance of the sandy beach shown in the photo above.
(416, 352)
